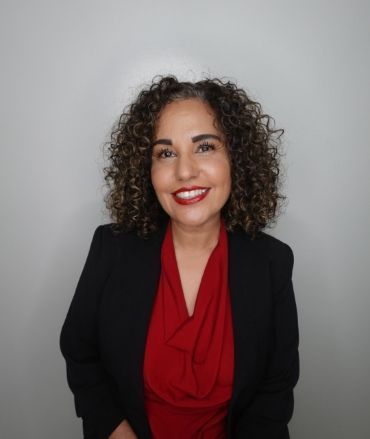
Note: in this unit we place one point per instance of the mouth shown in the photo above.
(190, 195)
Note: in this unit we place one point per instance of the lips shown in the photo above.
(186, 199)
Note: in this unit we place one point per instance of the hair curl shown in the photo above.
(251, 139)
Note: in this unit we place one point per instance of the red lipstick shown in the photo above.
(187, 201)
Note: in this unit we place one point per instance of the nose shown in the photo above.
(186, 167)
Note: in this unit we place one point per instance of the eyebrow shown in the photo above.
(193, 139)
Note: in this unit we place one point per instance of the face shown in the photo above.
(190, 168)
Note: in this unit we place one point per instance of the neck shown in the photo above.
(196, 238)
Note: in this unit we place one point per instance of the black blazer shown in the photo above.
(104, 333)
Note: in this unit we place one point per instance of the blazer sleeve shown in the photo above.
(271, 409)
(95, 393)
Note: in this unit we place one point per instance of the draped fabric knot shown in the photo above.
(189, 360)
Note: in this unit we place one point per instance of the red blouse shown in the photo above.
(189, 360)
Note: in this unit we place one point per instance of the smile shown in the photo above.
(190, 197)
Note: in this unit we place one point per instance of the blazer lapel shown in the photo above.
(139, 280)
(244, 273)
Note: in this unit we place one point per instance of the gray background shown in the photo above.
(68, 68)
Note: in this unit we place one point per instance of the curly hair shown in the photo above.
(252, 142)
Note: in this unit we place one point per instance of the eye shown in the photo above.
(205, 147)
(163, 153)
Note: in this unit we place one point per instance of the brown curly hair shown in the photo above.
(251, 139)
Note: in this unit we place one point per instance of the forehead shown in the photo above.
(186, 114)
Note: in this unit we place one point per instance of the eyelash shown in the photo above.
(164, 150)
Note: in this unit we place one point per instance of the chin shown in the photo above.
(196, 220)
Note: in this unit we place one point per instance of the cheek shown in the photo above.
(159, 178)
(221, 173)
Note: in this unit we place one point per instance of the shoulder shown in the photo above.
(106, 238)
(265, 246)
(110, 234)
(105, 251)
(276, 249)
(266, 249)
(281, 259)
(111, 239)
(102, 249)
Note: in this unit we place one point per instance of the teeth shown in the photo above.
(190, 194)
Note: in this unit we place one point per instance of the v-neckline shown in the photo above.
(187, 315)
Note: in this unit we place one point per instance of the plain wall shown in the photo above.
(67, 70)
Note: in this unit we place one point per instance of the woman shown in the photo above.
(184, 322)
